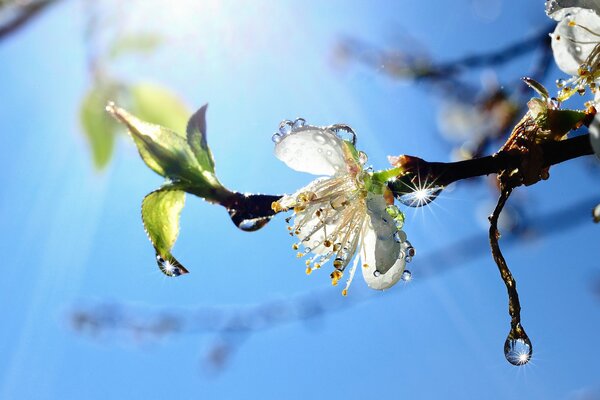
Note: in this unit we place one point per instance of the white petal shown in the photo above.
(380, 250)
(558, 9)
(571, 45)
(313, 150)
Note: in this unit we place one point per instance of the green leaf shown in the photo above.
(160, 213)
(98, 128)
(164, 151)
(196, 137)
(157, 105)
(142, 43)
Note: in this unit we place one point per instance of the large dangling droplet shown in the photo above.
(298, 123)
(517, 348)
(420, 197)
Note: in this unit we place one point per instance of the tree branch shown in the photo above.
(444, 174)
(25, 14)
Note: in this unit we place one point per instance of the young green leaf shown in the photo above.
(99, 130)
(163, 150)
(160, 213)
(196, 137)
(157, 105)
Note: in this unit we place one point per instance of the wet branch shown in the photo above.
(444, 174)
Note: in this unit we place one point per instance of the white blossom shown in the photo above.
(576, 43)
(344, 217)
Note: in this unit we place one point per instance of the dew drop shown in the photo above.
(362, 157)
(406, 275)
(420, 197)
(376, 273)
(298, 123)
(170, 267)
(560, 83)
(329, 153)
(253, 224)
(518, 351)
(344, 132)
(276, 138)
(392, 210)
(577, 49)
(307, 249)
(408, 259)
(400, 236)
(320, 139)
(285, 127)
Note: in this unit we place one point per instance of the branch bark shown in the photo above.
(26, 13)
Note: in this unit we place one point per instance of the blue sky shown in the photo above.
(72, 235)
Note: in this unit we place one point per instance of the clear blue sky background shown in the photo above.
(72, 235)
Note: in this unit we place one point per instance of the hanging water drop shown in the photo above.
(406, 275)
(408, 259)
(376, 273)
(518, 351)
(276, 138)
(560, 83)
(420, 197)
(170, 266)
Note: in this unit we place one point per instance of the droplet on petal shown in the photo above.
(298, 123)
(344, 132)
(285, 127)
(406, 275)
(362, 157)
(276, 138)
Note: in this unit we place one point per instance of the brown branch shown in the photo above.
(444, 174)
(26, 13)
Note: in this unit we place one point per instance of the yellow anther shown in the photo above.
(300, 255)
(317, 265)
(327, 243)
(335, 277)
(345, 292)
(572, 23)
(338, 263)
(308, 271)
(307, 262)
(365, 265)
(295, 246)
(276, 206)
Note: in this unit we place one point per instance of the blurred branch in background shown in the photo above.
(471, 116)
(15, 14)
(232, 325)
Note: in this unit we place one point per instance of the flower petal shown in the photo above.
(557, 9)
(574, 39)
(380, 250)
(315, 150)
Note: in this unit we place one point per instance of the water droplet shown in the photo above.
(406, 275)
(253, 224)
(596, 213)
(577, 49)
(276, 138)
(320, 139)
(392, 210)
(344, 132)
(285, 127)
(170, 267)
(560, 83)
(329, 153)
(298, 123)
(362, 157)
(408, 259)
(307, 249)
(420, 197)
(518, 351)
(376, 273)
